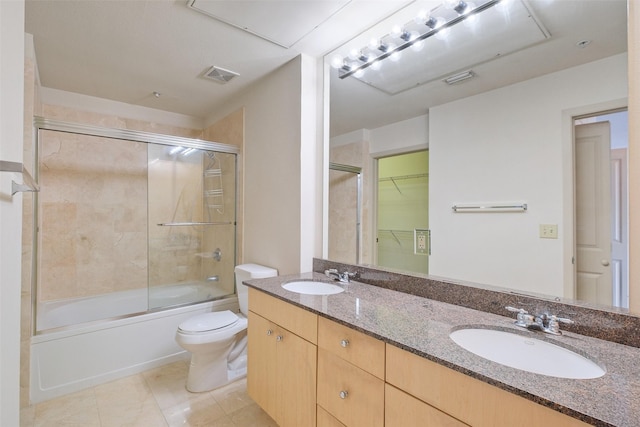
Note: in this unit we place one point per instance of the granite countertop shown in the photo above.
(422, 326)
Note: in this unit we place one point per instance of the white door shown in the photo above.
(593, 224)
(619, 224)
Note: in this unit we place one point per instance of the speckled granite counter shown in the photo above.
(422, 326)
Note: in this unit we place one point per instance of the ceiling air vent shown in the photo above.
(220, 75)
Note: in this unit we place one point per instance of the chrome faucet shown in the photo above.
(545, 322)
(333, 273)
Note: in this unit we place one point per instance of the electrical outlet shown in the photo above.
(548, 231)
(421, 241)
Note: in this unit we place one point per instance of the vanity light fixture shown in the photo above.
(414, 32)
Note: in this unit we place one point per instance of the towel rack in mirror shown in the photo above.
(495, 207)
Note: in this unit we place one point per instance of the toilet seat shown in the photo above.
(208, 322)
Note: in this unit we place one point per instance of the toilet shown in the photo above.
(218, 341)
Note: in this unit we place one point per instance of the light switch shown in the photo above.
(548, 231)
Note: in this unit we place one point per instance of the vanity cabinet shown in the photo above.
(404, 410)
(305, 370)
(282, 360)
(325, 419)
(351, 376)
(472, 401)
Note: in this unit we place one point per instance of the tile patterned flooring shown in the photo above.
(154, 398)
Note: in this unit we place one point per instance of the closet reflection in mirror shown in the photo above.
(506, 135)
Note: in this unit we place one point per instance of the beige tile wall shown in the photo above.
(342, 204)
(93, 212)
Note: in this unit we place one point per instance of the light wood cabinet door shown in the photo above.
(325, 419)
(262, 363)
(472, 401)
(360, 349)
(281, 373)
(403, 410)
(296, 383)
(353, 396)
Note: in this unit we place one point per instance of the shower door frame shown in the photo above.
(357, 171)
(41, 123)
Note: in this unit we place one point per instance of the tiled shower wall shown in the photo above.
(93, 215)
(342, 204)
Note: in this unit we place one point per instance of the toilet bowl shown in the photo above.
(218, 341)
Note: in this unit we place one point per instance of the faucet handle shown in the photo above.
(523, 318)
(554, 327)
(563, 320)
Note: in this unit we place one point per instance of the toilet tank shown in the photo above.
(247, 272)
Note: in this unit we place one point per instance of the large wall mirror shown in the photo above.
(512, 103)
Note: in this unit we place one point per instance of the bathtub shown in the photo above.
(72, 359)
(75, 311)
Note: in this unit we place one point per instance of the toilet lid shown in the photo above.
(208, 321)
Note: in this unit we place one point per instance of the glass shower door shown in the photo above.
(192, 230)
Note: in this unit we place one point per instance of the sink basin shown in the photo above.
(309, 287)
(526, 353)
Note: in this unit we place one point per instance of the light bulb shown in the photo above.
(450, 4)
(443, 34)
(395, 56)
(471, 20)
(376, 65)
(421, 17)
(358, 73)
(396, 31)
(337, 62)
(354, 53)
(418, 46)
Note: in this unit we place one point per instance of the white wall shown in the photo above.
(513, 144)
(11, 134)
(280, 166)
(401, 137)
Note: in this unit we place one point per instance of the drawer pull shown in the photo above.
(279, 338)
(344, 394)
(344, 343)
(269, 332)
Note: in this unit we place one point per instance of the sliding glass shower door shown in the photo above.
(191, 225)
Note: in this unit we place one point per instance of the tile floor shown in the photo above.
(155, 398)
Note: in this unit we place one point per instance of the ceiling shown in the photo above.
(127, 50)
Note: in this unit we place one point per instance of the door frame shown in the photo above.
(569, 216)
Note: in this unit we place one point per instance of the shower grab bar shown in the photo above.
(28, 183)
(497, 207)
(183, 224)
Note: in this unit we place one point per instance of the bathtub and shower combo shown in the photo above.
(134, 232)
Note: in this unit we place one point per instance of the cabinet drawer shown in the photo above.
(297, 320)
(325, 419)
(470, 400)
(360, 349)
(403, 410)
(350, 394)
